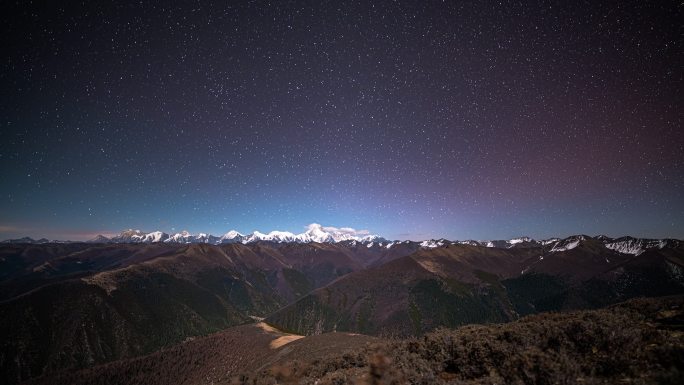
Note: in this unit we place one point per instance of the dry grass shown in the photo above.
(638, 342)
(284, 339)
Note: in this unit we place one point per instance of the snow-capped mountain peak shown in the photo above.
(431, 244)
(182, 237)
(549, 241)
(372, 238)
(515, 241)
(129, 235)
(568, 243)
(155, 236)
(315, 233)
(503, 244)
(565, 245)
(232, 234)
(273, 236)
(232, 237)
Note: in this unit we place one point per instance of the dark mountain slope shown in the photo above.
(216, 358)
(77, 305)
(125, 312)
(441, 286)
(458, 284)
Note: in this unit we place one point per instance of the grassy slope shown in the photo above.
(638, 342)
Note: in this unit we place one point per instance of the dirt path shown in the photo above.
(283, 340)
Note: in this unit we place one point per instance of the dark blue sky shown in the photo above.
(412, 119)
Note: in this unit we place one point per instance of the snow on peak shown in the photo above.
(338, 234)
(372, 238)
(632, 246)
(155, 236)
(501, 244)
(636, 246)
(182, 237)
(567, 243)
(515, 241)
(431, 244)
(549, 241)
(316, 233)
(129, 235)
(255, 236)
(565, 246)
(281, 236)
(231, 235)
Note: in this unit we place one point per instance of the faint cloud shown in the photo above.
(10, 229)
(339, 230)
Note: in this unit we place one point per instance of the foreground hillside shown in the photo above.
(637, 342)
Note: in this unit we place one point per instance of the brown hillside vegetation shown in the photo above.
(212, 359)
(636, 342)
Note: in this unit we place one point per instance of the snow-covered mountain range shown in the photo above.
(320, 234)
(624, 245)
(314, 233)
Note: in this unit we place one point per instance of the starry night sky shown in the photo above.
(412, 119)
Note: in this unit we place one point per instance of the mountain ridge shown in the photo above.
(318, 234)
